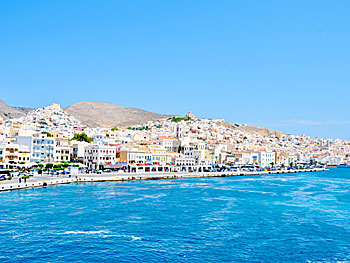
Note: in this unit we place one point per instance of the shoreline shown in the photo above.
(42, 181)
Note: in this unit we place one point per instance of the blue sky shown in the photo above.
(279, 64)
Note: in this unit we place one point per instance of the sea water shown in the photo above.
(299, 217)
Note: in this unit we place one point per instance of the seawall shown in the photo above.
(43, 181)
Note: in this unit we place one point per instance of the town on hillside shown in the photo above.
(50, 138)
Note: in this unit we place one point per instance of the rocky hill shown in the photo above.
(7, 112)
(110, 115)
(255, 130)
(261, 131)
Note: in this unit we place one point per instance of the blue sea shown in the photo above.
(300, 217)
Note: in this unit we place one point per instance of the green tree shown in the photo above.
(57, 166)
(49, 166)
(47, 133)
(114, 129)
(82, 137)
(178, 119)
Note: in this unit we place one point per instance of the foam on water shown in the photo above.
(77, 232)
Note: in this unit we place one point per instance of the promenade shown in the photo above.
(43, 181)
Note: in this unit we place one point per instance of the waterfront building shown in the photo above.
(78, 150)
(136, 156)
(95, 155)
(41, 146)
(184, 161)
(8, 154)
(23, 154)
(267, 159)
(159, 155)
(63, 153)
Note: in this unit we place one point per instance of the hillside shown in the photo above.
(110, 115)
(255, 130)
(7, 112)
(261, 131)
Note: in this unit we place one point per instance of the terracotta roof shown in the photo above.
(166, 138)
(172, 152)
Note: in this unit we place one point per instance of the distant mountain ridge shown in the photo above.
(110, 115)
(7, 112)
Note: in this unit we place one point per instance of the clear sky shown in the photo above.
(279, 64)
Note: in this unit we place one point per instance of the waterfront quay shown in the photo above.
(44, 181)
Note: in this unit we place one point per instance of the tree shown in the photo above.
(272, 164)
(57, 166)
(178, 119)
(114, 129)
(49, 165)
(47, 133)
(82, 137)
(282, 165)
(291, 164)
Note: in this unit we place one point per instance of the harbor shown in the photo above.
(46, 180)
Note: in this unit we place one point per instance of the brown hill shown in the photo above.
(255, 130)
(7, 112)
(110, 115)
(261, 131)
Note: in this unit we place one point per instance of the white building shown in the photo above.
(42, 148)
(179, 131)
(136, 156)
(23, 154)
(169, 143)
(62, 153)
(266, 158)
(96, 155)
(190, 115)
(78, 150)
(185, 161)
(8, 155)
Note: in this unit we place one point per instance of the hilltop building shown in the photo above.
(190, 115)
